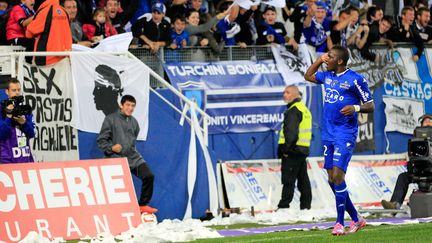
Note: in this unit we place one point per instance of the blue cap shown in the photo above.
(158, 7)
(321, 5)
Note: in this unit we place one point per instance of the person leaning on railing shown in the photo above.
(199, 34)
(153, 33)
(405, 31)
(78, 36)
(377, 33)
(422, 24)
(19, 17)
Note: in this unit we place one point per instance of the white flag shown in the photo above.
(246, 4)
(275, 3)
(100, 80)
(292, 67)
(115, 43)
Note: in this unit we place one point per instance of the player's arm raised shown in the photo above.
(310, 73)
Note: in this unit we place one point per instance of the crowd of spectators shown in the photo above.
(176, 24)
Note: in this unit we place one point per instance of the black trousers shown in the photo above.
(401, 188)
(294, 168)
(147, 178)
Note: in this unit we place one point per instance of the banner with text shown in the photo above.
(406, 85)
(70, 200)
(409, 96)
(239, 96)
(258, 182)
(49, 91)
(416, 79)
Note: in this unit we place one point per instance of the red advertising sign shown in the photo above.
(67, 199)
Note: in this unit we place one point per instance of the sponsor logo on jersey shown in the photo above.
(332, 96)
(364, 95)
(344, 85)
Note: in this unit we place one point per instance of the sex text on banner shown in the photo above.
(67, 199)
(258, 182)
(100, 81)
(239, 96)
(48, 90)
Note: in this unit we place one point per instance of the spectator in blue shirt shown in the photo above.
(316, 28)
(270, 31)
(179, 36)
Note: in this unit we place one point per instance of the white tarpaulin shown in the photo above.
(258, 182)
(100, 81)
(402, 114)
(49, 90)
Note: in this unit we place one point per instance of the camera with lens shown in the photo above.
(420, 158)
(19, 108)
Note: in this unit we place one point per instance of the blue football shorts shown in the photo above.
(337, 153)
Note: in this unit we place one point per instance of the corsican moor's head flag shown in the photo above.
(100, 81)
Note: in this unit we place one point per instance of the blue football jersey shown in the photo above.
(347, 88)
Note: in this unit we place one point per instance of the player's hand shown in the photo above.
(347, 110)
(415, 58)
(20, 119)
(324, 58)
(116, 148)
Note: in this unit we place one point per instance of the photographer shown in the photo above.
(403, 179)
(16, 127)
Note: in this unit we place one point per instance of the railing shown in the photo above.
(205, 54)
(202, 54)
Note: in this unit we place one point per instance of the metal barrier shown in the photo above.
(206, 54)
